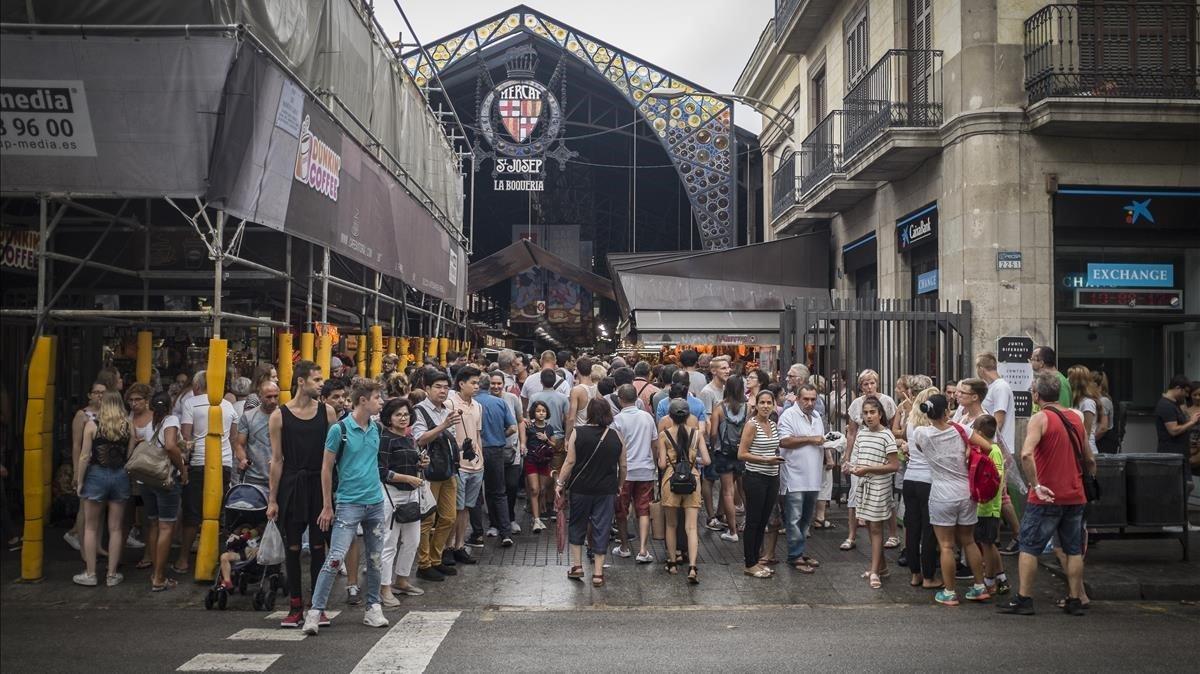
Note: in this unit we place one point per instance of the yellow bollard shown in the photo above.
(324, 355)
(145, 355)
(375, 356)
(36, 456)
(284, 368)
(306, 346)
(214, 491)
(432, 350)
(402, 351)
(443, 349)
(360, 356)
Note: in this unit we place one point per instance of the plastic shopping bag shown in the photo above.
(270, 548)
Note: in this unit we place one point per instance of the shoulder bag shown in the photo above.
(149, 464)
(1091, 486)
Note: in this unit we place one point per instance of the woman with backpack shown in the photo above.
(759, 448)
(681, 452)
(875, 460)
(729, 419)
(102, 479)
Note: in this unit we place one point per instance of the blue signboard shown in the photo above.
(1103, 275)
(927, 282)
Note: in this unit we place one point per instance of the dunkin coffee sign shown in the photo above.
(317, 165)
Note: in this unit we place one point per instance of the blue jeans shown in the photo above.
(800, 506)
(347, 517)
(1043, 521)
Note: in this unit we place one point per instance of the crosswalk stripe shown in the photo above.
(267, 634)
(230, 662)
(409, 645)
(280, 615)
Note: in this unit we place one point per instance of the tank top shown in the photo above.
(110, 452)
(303, 440)
(596, 475)
(765, 444)
(581, 415)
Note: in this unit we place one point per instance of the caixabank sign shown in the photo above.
(917, 228)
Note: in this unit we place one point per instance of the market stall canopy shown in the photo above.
(523, 255)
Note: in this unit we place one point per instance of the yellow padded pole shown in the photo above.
(214, 491)
(145, 355)
(443, 349)
(324, 354)
(284, 367)
(306, 346)
(36, 454)
(375, 361)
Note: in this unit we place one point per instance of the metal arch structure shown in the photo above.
(696, 130)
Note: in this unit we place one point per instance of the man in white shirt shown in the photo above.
(1001, 404)
(638, 430)
(193, 429)
(801, 443)
(533, 383)
(470, 471)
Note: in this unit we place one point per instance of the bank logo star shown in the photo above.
(1137, 209)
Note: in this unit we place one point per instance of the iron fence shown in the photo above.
(784, 9)
(1125, 50)
(821, 152)
(902, 89)
(783, 186)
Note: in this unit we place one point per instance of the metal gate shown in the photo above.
(840, 339)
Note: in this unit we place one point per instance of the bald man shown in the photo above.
(252, 446)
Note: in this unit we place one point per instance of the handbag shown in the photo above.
(576, 474)
(149, 464)
(1091, 486)
(682, 480)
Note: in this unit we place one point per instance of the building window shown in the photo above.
(816, 93)
(858, 41)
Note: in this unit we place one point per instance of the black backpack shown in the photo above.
(443, 452)
(731, 432)
(682, 480)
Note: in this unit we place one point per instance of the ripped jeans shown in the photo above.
(347, 517)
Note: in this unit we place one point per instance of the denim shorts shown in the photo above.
(722, 463)
(105, 484)
(1042, 522)
(469, 486)
(161, 505)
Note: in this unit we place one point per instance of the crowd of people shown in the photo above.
(400, 471)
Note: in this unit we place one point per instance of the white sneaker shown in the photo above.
(114, 579)
(72, 539)
(515, 528)
(86, 579)
(645, 558)
(538, 525)
(311, 622)
(732, 538)
(493, 532)
(622, 552)
(373, 617)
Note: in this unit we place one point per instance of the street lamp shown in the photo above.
(668, 93)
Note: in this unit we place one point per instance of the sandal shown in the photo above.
(692, 573)
(176, 570)
(168, 584)
(758, 572)
(768, 561)
(575, 573)
(875, 582)
(1062, 603)
(800, 566)
(891, 542)
(597, 581)
(823, 524)
(847, 544)
(143, 564)
(810, 561)
(670, 566)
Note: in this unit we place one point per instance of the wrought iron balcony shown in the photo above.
(784, 182)
(903, 89)
(783, 13)
(821, 152)
(1121, 50)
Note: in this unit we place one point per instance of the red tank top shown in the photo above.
(1057, 467)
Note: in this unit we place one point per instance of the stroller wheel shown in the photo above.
(222, 599)
(208, 599)
(269, 602)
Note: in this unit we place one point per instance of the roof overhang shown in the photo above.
(523, 255)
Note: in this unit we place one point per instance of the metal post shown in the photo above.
(325, 287)
(378, 285)
(41, 265)
(219, 246)
(146, 260)
(471, 211)
(633, 187)
(308, 325)
(287, 285)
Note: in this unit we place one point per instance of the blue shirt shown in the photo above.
(358, 467)
(695, 405)
(497, 417)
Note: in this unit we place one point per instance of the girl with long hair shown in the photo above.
(102, 479)
(875, 459)
(675, 442)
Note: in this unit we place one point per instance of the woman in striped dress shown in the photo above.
(875, 460)
(760, 450)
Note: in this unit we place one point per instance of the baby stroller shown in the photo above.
(246, 505)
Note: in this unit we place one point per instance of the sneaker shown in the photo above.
(131, 541)
(622, 552)
(732, 538)
(538, 525)
(515, 528)
(493, 532)
(447, 570)
(311, 625)
(353, 597)
(645, 558)
(72, 539)
(962, 572)
(373, 616)
(506, 542)
(1018, 605)
(431, 574)
(114, 579)
(714, 524)
(1002, 587)
(463, 557)
(946, 598)
(448, 557)
(411, 590)
(323, 620)
(389, 601)
(1072, 606)
(475, 541)
(294, 619)
(1011, 549)
(86, 579)
(977, 593)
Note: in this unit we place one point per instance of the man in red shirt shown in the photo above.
(1056, 496)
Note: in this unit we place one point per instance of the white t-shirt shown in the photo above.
(147, 431)
(855, 411)
(946, 454)
(1089, 405)
(533, 384)
(917, 469)
(195, 412)
(183, 399)
(804, 466)
(639, 431)
(1000, 398)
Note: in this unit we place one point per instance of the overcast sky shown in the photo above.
(705, 41)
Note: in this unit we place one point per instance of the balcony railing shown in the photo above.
(903, 89)
(1125, 50)
(783, 187)
(783, 11)
(821, 152)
